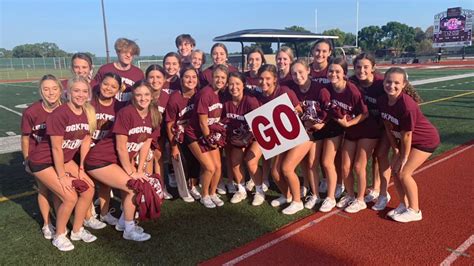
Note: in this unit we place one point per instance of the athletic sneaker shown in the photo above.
(136, 235)
(304, 191)
(401, 208)
(94, 223)
(207, 202)
(258, 199)
(410, 215)
(238, 197)
(345, 201)
(265, 185)
(328, 205)
(188, 199)
(280, 201)
(167, 195)
(121, 228)
(48, 231)
(293, 208)
(109, 218)
(195, 193)
(339, 190)
(63, 243)
(381, 203)
(231, 187)
(172, 180)
(356, 206)
(221, 188)
(371, 196)
(323, 186)
(215, 198)
(83, 235)
(249, 185)
(311, 200)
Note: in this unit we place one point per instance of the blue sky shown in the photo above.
(76, 25)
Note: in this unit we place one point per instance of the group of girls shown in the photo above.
(108, 130)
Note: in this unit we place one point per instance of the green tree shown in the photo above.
(398, 36)
(349, 39)
(419, 34)
(304, 48)
(370, 38)
(336, 32)
(44, 49)
(5, 53)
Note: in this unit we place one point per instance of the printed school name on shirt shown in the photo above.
(77, 127)
(392, 120)
(186, 109)
(235, 116)
(37, 128)
(321, 80)
(341, 104)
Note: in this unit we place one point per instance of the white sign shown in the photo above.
(276, 126)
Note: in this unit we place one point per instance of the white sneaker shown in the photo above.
(188, 199)
(207, 202)
(304, 191)
(409, 215)
(328, 205)
(231, 187)
(381, 203)
(371, 196)
(293, 208)
(167, 195)
(356, 206)
(323, 186)
(249, 185)
(136, 235)
(258, 199)
(48, 231)
(238, 197)
(94, 223)
(265, 185)
(195, 193)
(221, 188)
(215, 198)
(280, 201)
(172, 180)
(311, 201)
(401, 208)
(345, 201)
(63, 243)
(121, 228)
(339, 190)
(109, 218)
(83, 235)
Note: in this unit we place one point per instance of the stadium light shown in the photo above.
(105, 33)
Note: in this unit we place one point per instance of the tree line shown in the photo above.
(44, 49)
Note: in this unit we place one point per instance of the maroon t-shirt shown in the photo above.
(205, 77)
(348, 103)
(128, 122)
(162, 101)
(279, 90)
(233, 115)
(406, 115)
(286, 81)
(129, 77)
(33, 124)
(174, 85)
(62, 122)
(316, 95)
(206, 103)
(319, 76)
(105, 116)
(251, 82)
(179, 110)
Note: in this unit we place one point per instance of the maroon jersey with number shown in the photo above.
(62, 122)
(233, 115)
(348, 103)
(207, 102)
(319, 76)
(317, 96)
(33, 124)
(279, 90)
(406, 115)
(286, 81)
(205, 76)
(105, 116)
(128, 122)
(129, 77)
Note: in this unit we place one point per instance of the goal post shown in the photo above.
(143, 64)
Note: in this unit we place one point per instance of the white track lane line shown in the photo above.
(460, 250)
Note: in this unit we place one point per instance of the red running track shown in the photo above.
(445, 233)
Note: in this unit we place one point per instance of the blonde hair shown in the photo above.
(40, 88)
(152, 108)
(124, 44)
(287, 50)
(87, 107)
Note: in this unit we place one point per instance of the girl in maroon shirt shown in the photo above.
(255, 59)
(370, 84)
(208, 110)
(284, 58)
(33, 129)
(321, 52)
(198, 59)
(81, 65)
(69, 129)
(234, 108)
(110, 161)
(312, 96)
(172, 66)
(219, 57)
(412, 137)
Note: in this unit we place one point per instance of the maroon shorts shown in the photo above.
(425, 149)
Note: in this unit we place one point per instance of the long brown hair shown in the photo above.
(408, 89)
(152, 108)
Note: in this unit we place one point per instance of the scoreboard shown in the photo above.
(453, 28)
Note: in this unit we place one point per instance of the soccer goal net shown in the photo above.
(143, 64)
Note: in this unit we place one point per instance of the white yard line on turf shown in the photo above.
(322, 218)
(433, 80)
(11, 110)
(10, 144)
(460, 250)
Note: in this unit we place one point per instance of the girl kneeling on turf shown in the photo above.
(68, 128)
(110, 160)
(412, 137)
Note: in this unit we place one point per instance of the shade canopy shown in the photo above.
(271, 35)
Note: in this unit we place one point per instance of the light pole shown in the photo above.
(357, 23)
(316, 20)
(105, 33)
